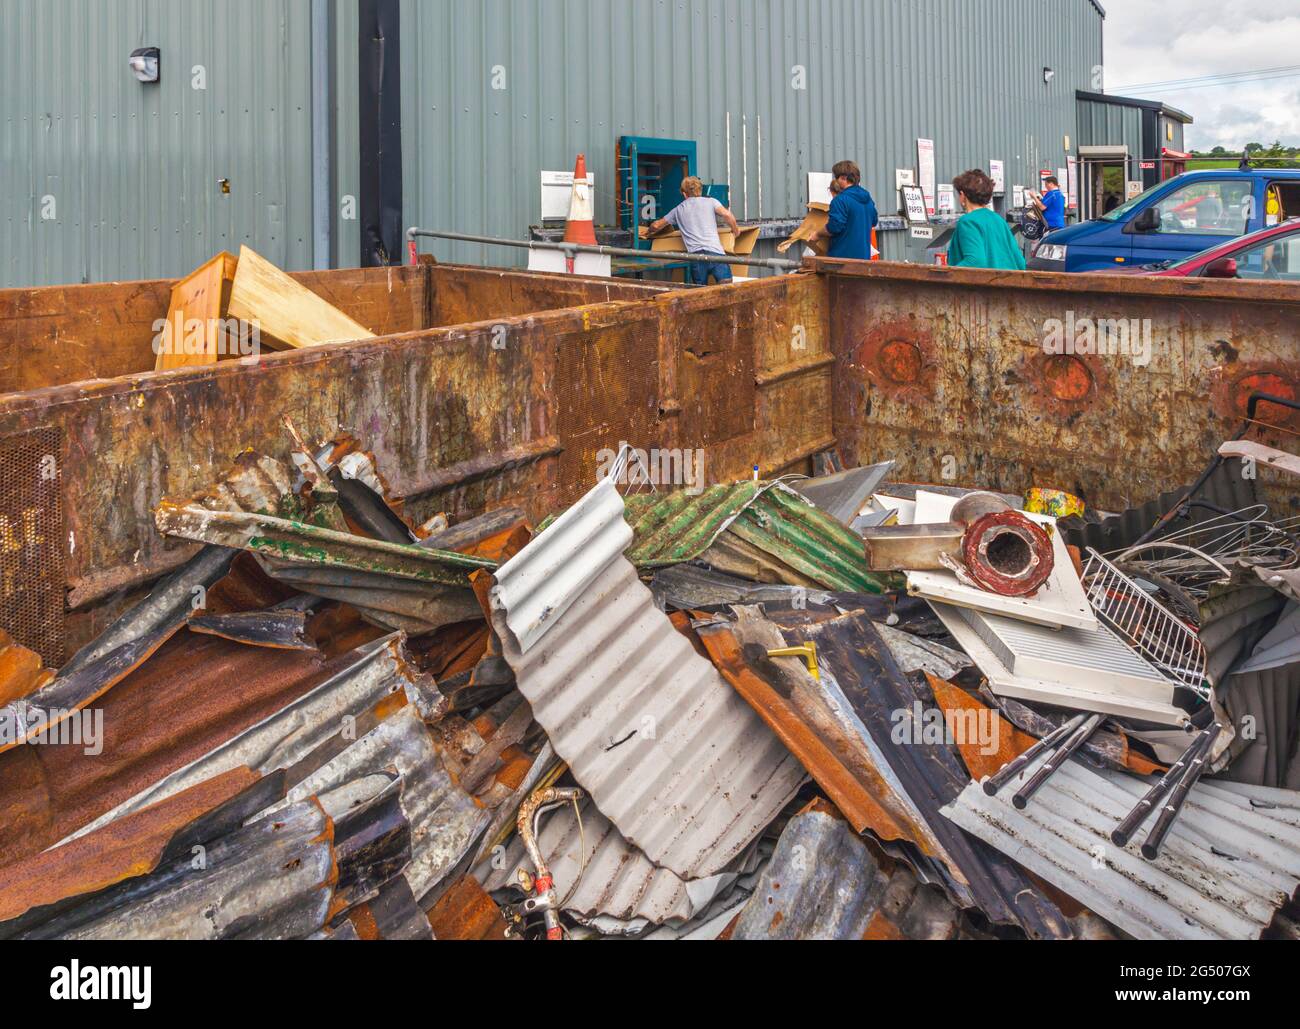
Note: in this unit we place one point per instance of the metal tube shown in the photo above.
(1050, 766)
(1169, 813)
(586, 248)
(1007, 772)
(322, 130)
(1123, 832)
(544, 885)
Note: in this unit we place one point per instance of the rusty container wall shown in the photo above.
(61, 334)
(947, 372)
(512, 408)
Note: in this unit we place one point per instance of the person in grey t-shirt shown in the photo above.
(696, 218)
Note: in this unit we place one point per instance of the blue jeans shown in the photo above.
(701, 270)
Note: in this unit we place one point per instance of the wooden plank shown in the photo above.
(285, 312)
(1260, 454)
(201, 296)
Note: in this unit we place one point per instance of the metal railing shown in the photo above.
(572, 249)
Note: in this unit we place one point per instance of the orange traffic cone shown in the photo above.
(875, 253)
(580, 226)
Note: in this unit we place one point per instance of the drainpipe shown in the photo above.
(322, 125)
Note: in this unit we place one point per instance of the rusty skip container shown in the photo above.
(488, 387)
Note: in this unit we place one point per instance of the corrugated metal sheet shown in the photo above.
(377, 670)
(1232, 858)
(133, 169)
(768, 517)
(669, 752)
(581, 73)
(824, 884)
(444, 819)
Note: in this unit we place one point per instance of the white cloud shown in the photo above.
(1153, 41)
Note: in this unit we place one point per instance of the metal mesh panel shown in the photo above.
(31, 541)
(607, 393)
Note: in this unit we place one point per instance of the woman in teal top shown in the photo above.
(981, 239)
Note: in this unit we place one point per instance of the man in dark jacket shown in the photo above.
(852, 215)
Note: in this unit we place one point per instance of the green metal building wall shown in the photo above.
(134, 168)
(130, 171)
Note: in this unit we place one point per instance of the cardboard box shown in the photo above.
(818, 216)
(740, 245)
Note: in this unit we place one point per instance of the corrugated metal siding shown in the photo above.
(581, 73)
(1110, 125)
(133, 168)
(1229, 862)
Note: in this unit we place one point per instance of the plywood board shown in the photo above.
(284, 312)
(199, 297)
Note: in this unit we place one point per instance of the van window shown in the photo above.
(1213, 208)
(1278, 259)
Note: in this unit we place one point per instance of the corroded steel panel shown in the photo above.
(31, 541)
(461, 419)
(951, 372)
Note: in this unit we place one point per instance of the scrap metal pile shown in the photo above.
(808, 708)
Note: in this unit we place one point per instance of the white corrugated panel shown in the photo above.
(1231, 859)
(669, 752)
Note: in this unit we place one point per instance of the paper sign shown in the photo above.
(1018, 196)
(904, 177)
(947, 198)
(997, 173)
(925, 164)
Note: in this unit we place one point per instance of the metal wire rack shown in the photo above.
(1144, 624)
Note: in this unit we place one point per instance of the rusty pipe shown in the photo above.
(543, 887)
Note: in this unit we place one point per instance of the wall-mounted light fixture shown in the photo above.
(144, 63)
(1048, 75)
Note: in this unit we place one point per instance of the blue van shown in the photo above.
(1176, 219)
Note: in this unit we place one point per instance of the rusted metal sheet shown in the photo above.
(948, 372)
(460, 419)
(196, 693)
(128, 847)
(21, 670)
(32, 544)
(466, 912)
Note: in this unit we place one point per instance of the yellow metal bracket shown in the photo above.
(807, 651)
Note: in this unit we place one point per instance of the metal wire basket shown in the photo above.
(1144, 624)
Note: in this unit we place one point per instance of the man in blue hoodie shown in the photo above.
(852, 215)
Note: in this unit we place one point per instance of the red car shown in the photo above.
(1269, 254)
